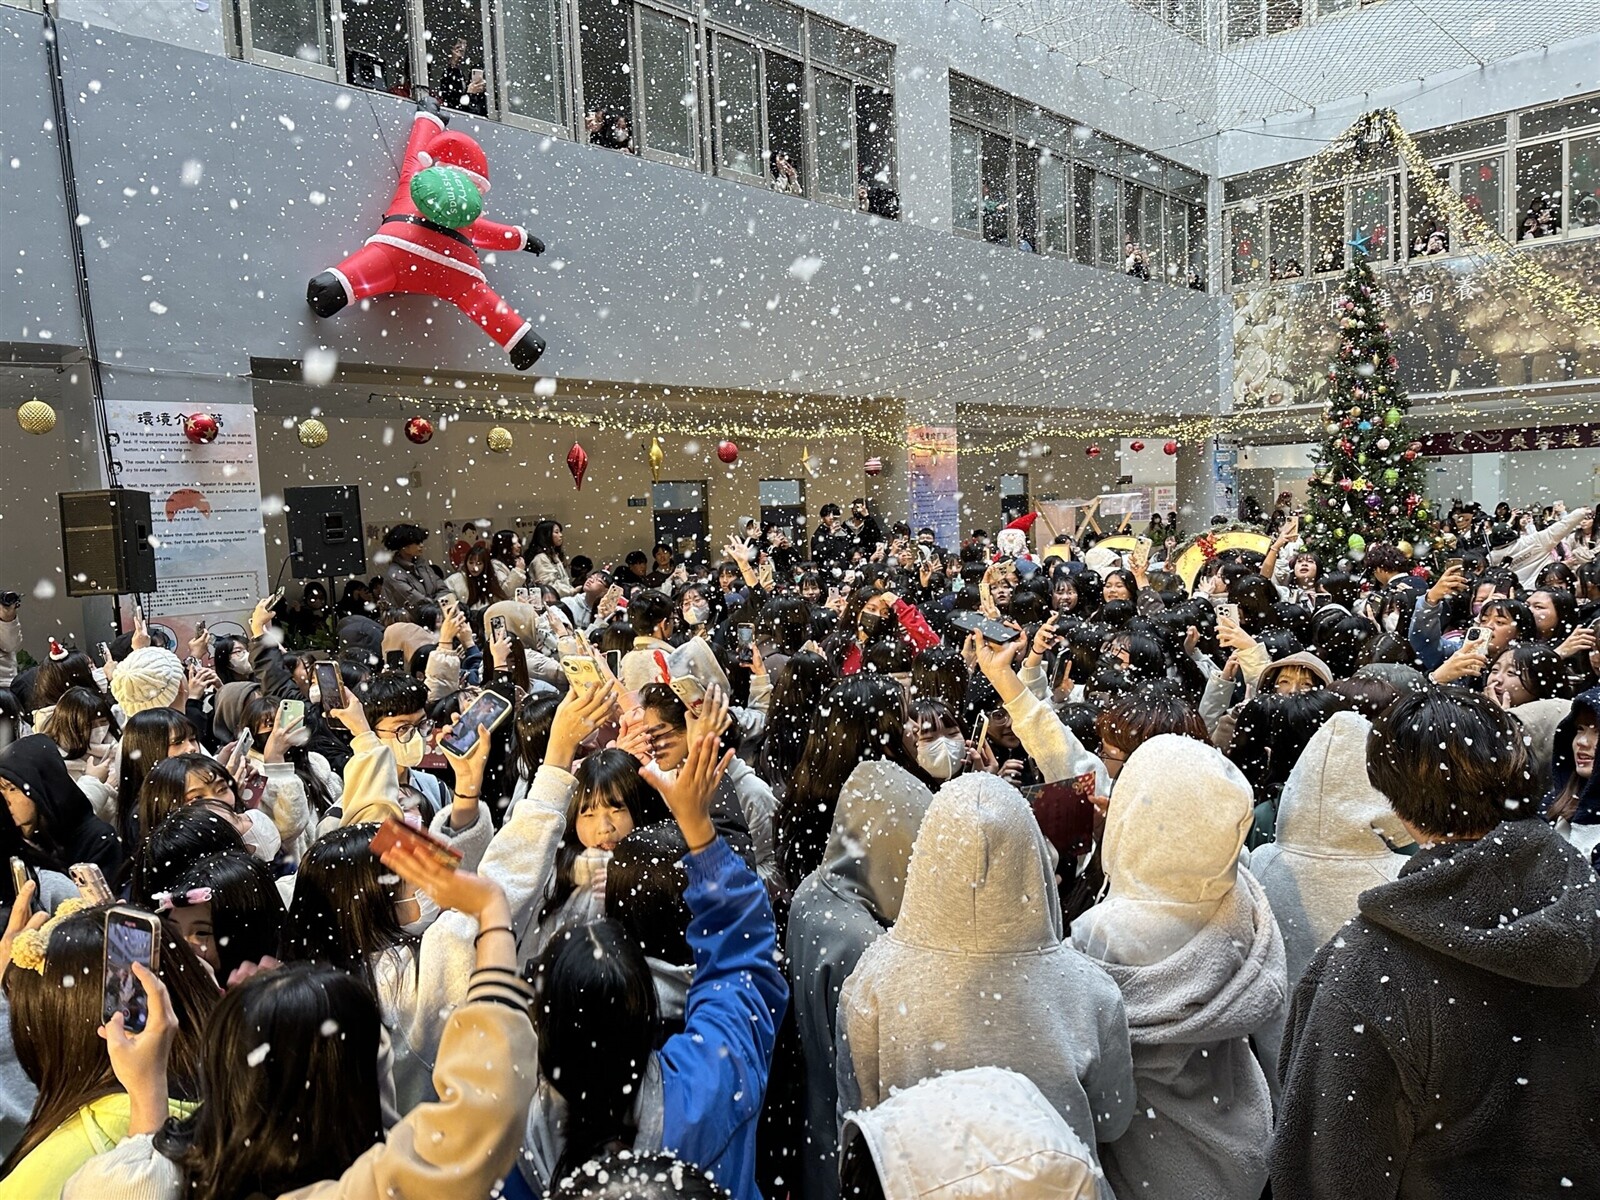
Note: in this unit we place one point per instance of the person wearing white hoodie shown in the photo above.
(1334, 837)
(983, 1132)
(1189, 938)
(975, 973)
(1528, 553)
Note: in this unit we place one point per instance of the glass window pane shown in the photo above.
(996, 188)
(1427, 227)
(1054, 214)
(1481, 188)
(667, 102)
(1371, 217)
(299, 29)
(1108, 246)
(1132, 196)
(1560, 118)
(765, 18)
(1248, 265)
(1283, 14)
(1286, 254)
(875, 150)
(453, 33)
(1044, 129)
(859, 52)
(1327, 229)
(1083, 215)
(676, 495)
(1186, 17)
(1538, 190)
(1244, 19)
(780, 491)
(605, 41)
(836, 168)
(377, 45)
(1150, 233)
(1027, 193)
(1463, 139)
(1197, 246)
(1174, 262)
(738, 108)
(966, 176)
(535, 83)
(786, 123)
(982, 103)
(1584, 189)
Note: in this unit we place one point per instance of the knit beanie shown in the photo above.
(148, 678)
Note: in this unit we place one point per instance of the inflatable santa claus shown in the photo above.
(430, 236)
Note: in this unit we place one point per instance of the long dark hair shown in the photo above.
(343, 911)
(483, 589)
(533, 731)
(860, 719)
(797, 691)
(55, 1014)
(503, 548)
(608, 777)
(183, 837)
(596, 1018)
(72, 721)
(259, 716)
(305, 1112)
(246, 911)
(57, 677)
(542, 541)
(166, 788)
(145, 739)
(222, 660)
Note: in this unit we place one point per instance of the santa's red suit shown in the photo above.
(411, 254)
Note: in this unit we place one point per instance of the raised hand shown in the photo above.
(689, 792)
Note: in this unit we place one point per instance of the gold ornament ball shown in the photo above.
(499, 439)
(1405, 548)
(312, 433)
(36, 417)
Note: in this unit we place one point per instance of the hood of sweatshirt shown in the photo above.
(1585, 707)
(1520, 903)
(874, 826)
(981, 879)
(34, 765)
(231, 701)
(1328, 807)
(361, 633)
(972, 1134)
(1170, 851)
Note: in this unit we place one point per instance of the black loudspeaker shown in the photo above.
(105, 541)
(325, 539)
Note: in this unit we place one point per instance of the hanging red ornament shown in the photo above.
(201, 428)
(577, 463)
(874, 466)
(728, 452)
(1136, 446)
(419, 430)
(1485, 173)
(1409, 456)
(1092, 451)
(1170, 448)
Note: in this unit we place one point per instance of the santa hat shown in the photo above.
(459, 151)
(58, 652)
(1024, 522)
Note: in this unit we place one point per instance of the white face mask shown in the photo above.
(409, 754)
(942, 757)
(427, 913)
(100, 735)
(99, 677)
(263, 840)
(1391, 621)
(696, 614)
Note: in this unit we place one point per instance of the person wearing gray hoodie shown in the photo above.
(1333, 842)
(975, 973)
(838, 911)
(1189, 937)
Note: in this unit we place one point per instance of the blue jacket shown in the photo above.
(714, 1073)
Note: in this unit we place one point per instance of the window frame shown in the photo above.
(570, 90)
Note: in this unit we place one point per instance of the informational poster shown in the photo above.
(205, 507)
(1164, 499)
(932, 485)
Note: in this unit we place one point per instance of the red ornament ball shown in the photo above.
(874, 466)
(1093, 451)
(201, 428)
(419, 430)
(1170, 448)
(1410, 456)
(727, 452)
(1136, 446)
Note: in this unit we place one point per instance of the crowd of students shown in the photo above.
(856, 868)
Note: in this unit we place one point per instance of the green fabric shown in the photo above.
(446, 196)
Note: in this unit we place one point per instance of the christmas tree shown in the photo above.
(1367, 483)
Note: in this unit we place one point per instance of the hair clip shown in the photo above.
(167, 901)
(29, 946)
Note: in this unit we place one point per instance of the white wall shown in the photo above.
(1528, 478)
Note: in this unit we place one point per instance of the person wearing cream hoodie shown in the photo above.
(974, 973)
(1333, 842)
(1189, 938)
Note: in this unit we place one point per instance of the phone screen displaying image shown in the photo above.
(330, 685)
(488, 710)
(131, 937)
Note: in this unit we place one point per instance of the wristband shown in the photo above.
(704, 845)
(483, 933)
(465, 796)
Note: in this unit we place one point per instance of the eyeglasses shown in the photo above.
(405, 733)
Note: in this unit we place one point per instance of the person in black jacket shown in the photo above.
(47, 821)
(1443, 1043)
(831, 543)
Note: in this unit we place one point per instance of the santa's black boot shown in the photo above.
(525, 351)
(326, 295)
